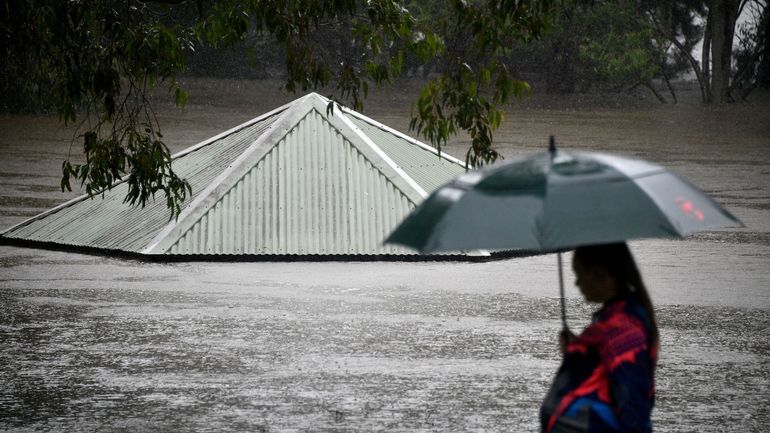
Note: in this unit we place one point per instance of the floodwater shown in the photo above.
(94, 343)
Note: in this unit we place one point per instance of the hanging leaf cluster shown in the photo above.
(98, 61)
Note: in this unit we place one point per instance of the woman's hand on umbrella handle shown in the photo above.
(565, 336)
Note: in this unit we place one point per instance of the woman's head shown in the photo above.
(609, 270)
(604, 271)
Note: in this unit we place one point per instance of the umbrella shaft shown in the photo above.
(561, 292)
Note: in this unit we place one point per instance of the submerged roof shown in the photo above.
(299, 180)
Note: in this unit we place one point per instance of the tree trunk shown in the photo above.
(670, 88)
(701, 73)
(706, 62)
(763, 72)
(655, 92)
(722, 14)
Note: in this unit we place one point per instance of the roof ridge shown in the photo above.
(399, 134)
(231, 131)
(389, 161)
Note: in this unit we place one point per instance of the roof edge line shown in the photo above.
(55, 209)
(232, 130)
(206, 142)
(383, 155)
(400, 134)
(202, 198)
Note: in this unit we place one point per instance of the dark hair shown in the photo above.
(617, 260)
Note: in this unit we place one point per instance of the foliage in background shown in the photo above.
(621, 46)
(713, 25)
(95, 62)
(609, 44)
(624, 43)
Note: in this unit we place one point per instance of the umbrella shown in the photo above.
(558, 200)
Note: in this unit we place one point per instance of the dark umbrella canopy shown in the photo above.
(555, 201)
(558, 200)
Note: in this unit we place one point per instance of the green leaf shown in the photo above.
(180, 97)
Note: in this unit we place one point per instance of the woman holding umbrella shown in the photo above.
(549, 202)
(606, 380)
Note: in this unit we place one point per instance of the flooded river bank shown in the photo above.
(94, 343)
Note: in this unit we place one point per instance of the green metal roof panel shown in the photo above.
(423, 164)
(314, 192)
(106, 222)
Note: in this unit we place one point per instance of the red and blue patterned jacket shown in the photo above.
(606, 382)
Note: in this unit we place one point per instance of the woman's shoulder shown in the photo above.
(618, 319)
(622, 311)
(619, 331)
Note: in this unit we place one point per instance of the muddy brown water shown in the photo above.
(95, 343)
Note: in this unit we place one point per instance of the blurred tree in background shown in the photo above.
(623, 44)
(96, 61)
(752, 55)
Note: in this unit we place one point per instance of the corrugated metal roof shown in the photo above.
(422, 163)
(298, 181)
(106, 222)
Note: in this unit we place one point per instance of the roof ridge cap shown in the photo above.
(399, 134)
